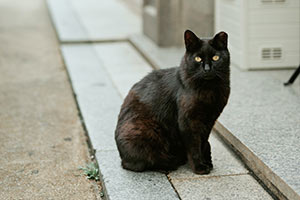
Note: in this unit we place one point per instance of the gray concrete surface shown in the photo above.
(266, 122)
(123, 184)
(98, 100)
(42, 142)
(158, 57)
(87, 20)
(220, 188)
(66, 21)
(224, 160)
(124, 71)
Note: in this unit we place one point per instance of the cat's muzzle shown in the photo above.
(207, 68)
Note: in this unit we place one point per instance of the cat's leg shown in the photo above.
(195, 136)
(197, 158)
(207, 154)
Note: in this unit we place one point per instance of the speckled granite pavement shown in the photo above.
(264, 116)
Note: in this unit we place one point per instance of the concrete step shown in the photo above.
(261, 121)
(101, 76)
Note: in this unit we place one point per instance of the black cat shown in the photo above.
(167, 117)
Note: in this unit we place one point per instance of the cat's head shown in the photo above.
(206, 59)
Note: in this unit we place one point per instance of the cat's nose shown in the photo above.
(206, 67)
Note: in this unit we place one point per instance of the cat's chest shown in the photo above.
(192, 99)
(203, 102)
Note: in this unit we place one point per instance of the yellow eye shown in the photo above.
(197, 59)
(215, 58)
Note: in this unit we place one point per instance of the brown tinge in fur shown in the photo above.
(138, 131)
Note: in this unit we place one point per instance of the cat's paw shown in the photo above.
(210, 165)
(134, 166)
(202, 172)
(203, 169)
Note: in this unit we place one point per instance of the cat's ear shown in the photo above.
(220, 41)
(192, 42)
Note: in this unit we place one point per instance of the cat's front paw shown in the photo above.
(210, 165)
(203, 169)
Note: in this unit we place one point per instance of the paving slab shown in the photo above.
(65, 19)
(123, 184)
(220, 187)
(77, 20)
(98, 100)
(123, 63)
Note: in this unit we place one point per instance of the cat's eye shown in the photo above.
(215, 58)
(198, 59)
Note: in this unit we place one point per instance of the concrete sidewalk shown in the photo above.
(42, 142)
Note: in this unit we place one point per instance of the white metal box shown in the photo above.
(263, 34)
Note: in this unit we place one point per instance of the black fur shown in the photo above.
(167, 117)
